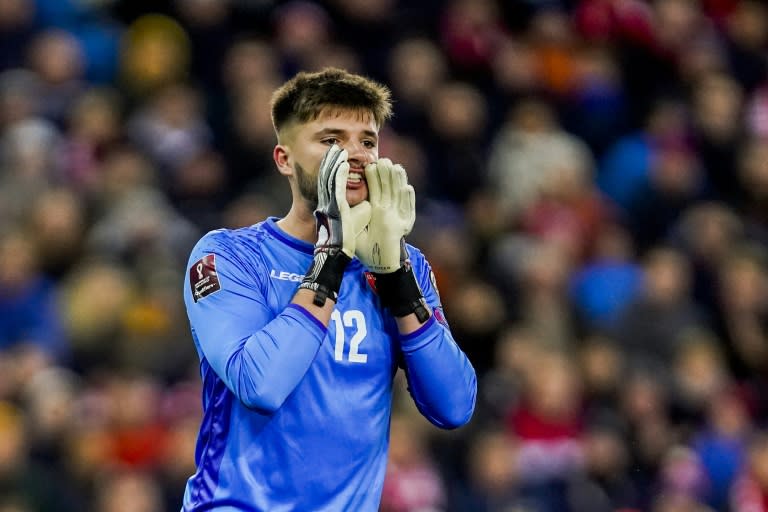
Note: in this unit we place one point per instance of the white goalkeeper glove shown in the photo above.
(381, 246)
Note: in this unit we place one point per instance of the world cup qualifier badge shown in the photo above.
(203, 277)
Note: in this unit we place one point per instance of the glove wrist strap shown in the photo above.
(400, 293)
(325, 274)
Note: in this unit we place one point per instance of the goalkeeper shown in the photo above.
(301, 322)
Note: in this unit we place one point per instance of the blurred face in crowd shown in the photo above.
(493, 460)
(305, 144)
(666, 275)
(17, 248)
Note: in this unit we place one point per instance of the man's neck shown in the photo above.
(299, 223)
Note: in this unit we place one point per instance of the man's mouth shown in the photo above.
(355, 178)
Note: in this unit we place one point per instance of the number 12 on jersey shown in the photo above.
(355, 319)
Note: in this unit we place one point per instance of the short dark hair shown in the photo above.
(306, 95)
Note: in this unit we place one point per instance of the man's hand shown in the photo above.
(381, 247)
(338, 225)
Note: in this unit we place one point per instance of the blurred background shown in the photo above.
(592, 186)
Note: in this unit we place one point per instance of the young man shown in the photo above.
(301, 323)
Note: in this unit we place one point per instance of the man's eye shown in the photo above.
(369, 144)
(330, 141)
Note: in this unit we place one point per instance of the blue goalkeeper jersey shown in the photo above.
(296, 416)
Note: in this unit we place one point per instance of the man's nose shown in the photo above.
(357, 156)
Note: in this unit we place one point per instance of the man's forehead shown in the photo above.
(343, 115)
(335, 120)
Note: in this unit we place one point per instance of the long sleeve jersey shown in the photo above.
(296, 415)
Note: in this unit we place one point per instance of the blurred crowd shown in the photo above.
(592, 192)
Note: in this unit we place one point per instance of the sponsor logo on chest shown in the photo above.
(282, 275)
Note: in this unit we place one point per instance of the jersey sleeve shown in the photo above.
(261, 356)
(441, 378)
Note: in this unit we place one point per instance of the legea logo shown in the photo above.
(282, 275)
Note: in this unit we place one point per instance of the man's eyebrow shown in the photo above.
(330, 131)
(339, 131)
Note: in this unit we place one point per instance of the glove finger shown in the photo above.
(373, 180)
(340, 176)
(400, 177)
(385, 179)
(325, 175)
(405, 196)
(400, 184)
(328, 163)
(407, 209)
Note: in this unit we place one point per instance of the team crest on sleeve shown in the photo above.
(371, 280)
(440, 316)
(203, 277)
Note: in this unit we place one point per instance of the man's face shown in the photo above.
(352, 130)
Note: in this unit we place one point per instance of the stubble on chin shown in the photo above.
(307, 187)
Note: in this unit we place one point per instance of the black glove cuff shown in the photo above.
(400, 293)
(325, 274)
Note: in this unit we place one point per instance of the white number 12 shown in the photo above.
(351, 318)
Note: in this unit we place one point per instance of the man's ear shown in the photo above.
(281, 156)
